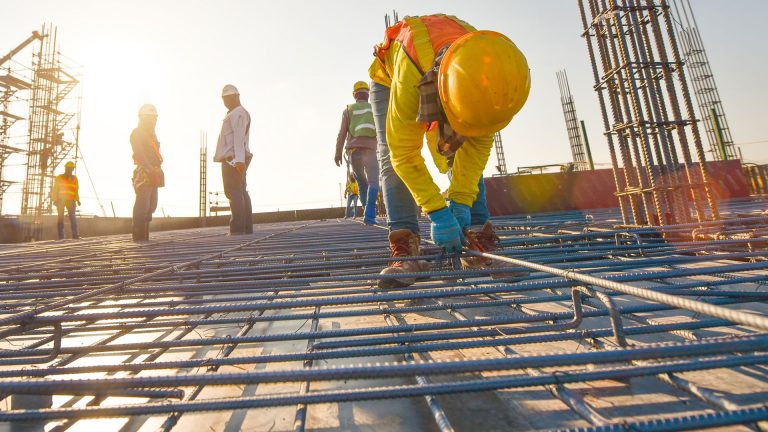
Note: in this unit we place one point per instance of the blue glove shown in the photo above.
(462, 214)
(445, 230)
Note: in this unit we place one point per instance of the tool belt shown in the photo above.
(153, 177)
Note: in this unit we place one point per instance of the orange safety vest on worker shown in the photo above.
(408, 51)
(65, 188)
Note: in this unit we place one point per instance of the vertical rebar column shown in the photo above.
(572, 122)
(703, 80)
(642, 77)
(501, 166)
(625, 203)
(203, 178)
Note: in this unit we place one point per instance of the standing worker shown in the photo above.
(438, 72)
(359, 133)
(352, 193)
(235, 157)
(148, 176)
(66, 195)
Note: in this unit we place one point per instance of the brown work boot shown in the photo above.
(487, 241)
(403, 243)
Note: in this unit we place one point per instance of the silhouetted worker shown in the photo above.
(66, 195)
(235, 157)
(148, 176)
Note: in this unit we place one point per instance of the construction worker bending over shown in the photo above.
(441, 73)
(66, 195)
(235, 157)
(352, 193)
(359, 132)
(147, 176)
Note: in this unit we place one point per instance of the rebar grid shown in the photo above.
(651, 112)
(613, 329)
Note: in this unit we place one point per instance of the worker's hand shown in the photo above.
(240, 167)
(462, 214)
(78, 203)
(446, 231)
(337, 159)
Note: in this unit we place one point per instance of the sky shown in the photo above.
(295, 62)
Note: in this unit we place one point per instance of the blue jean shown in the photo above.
(351, 206)
(402, 211)
(145, 205)
(70, 207)
(365, 168)
(236, 191)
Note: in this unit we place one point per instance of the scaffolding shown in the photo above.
(638, 69)
(54, 112)
(721, 145)
(10, 84)
(203, 198)
(582, 159)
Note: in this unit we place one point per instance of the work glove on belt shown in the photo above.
(445, 230)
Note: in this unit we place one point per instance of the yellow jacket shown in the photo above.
(351, 189)
(408, 49)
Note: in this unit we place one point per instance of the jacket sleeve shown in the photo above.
(468, 166)
(139, 151)
(405, 135)
(77, 189)
(239, 126)
(341, 138)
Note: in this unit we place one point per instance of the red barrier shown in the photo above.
(583, 190)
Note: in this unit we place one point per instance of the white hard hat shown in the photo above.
(147, 110)
(229, 89)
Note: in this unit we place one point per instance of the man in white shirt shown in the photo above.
(233, 153)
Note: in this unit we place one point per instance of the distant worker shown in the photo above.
(235, 157)
(438, 72)
(147, 176)
(359, 133)
(66, 195)
(351, 193)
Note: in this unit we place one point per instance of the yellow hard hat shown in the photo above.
(360, 85)
(483, 82)
(69, 164)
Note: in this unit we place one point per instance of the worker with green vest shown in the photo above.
(66, 195)
(358, 131)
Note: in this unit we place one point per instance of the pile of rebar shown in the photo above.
(612, 329)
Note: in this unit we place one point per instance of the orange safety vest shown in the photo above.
(66, 188)
(422, 37)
